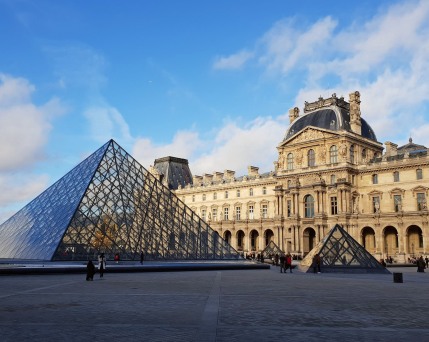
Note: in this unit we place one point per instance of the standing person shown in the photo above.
(282, 263)
(101, 264)
(90, 270)
(421, 264)
(141, 257)
(316, 263)
(288, 262)
(427, 261)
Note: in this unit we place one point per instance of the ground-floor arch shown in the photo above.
(254, 240)
(368, 239)
(227, 236)
(414, 237)
(390, 239)
(308, 240)
(268, 236)
(240, 240)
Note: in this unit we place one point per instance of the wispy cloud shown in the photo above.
(232, 62)
(386, 58)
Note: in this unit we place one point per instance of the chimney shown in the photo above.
(391, 149)
(293, 114)
(355, 122)
(252, 170)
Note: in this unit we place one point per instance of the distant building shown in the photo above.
(330, 170)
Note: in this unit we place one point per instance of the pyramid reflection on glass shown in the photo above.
(109, 203)
(339, 252)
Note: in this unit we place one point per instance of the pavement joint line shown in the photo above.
(36, 289)
(209, 320)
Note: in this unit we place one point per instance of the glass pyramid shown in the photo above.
(339, 252)
(271, 250)
(109, 203)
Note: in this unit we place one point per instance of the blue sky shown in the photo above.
(210, 81)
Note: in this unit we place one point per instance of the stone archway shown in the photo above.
(227, 236)
(414, 241)
(268, 236)
(254, 240)
(390, 240)
(368, 239)
(308, 240)
(240, 240)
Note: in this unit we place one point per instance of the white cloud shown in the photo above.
(24, 127)
(233, 147)
(184, 145)
(235, 61)
(106, 122)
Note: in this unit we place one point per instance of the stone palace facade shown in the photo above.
(330, 170)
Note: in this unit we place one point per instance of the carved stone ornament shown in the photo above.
(309, 134)
(298, 157)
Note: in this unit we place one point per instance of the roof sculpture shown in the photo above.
(109, 203)
(340, 253)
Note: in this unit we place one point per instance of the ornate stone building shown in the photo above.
(330, 169)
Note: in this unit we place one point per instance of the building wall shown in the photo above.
(285, 214)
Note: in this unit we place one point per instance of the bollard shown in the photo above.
(397, 278)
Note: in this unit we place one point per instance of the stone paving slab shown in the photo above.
(222, 305)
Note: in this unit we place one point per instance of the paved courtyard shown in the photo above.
(232, 305)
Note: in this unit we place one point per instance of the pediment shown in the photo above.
(308, 134)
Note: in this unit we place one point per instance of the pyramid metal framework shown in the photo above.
(339, 252)
(109, 203)
(271, 250)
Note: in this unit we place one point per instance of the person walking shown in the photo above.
(288, 262)
(282, 263)
(90, 270)
(141, 258)
(421, 265)
(316, 263)
(101, 264)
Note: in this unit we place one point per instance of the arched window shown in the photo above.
(352, 154)
(311, 158)
(309, 206)
(290, 161)
(364, 154)
(333, 154)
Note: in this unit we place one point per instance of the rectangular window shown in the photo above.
(289, 208)
(396, 176)
(333, 179)
(226, 194)
(237, 213)
(251, 217)
(376, 204)
(203, 214)
(238, 193)
(334, 205)
(251, 192)
(214, 195)
(374, 179)
(421, 201)
(264, 190)
(204, 197)
(419, 174)
(214, 214)
(226, 214)
(397, 200)
(193, 198)
(264, 210)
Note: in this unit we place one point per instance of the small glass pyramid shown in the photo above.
(339, 252)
